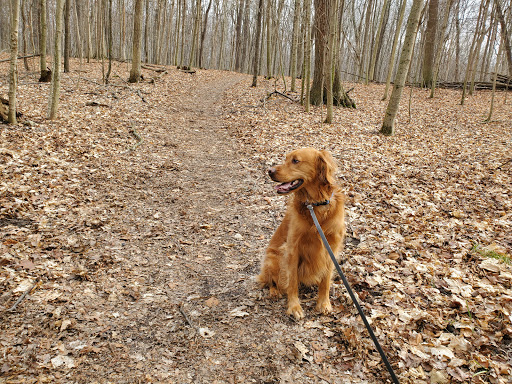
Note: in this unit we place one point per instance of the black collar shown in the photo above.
(319, 203)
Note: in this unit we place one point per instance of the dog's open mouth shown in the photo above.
(288, 187)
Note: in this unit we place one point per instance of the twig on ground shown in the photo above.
(280, 94)
(505, 163)
(20, 299)
(182, 311)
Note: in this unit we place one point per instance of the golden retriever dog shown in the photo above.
(296, 254)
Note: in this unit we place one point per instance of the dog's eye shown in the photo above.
(295, 161)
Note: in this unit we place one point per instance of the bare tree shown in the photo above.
(430, 43)
(295, 43)
(388, 126)
(55, 86)
(257, 49)
(137, 42)
(13, 71)
(67, 34)
(394, 47)
(505, 32)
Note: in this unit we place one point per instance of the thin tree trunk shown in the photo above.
(440, 46)
(122, 31)
(393, 49)
(403, 68)
(67, 34)
(257, 49)
(24, 35)
(137, 42)
(55, 86)
(307, 56)
(110, 38)
(294, 47)
(203, 33)
(78, 34)
(498, 57)
(13, 70)
(430, 43)
(194, 34)
(331, 9)
(378, 41)
(269, 39)
(89, 34)
(42, 41)
(505, 32)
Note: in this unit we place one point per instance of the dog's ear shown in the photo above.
(326, 167)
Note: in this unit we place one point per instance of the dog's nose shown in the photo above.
(271, 171)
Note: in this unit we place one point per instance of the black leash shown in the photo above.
(350, 292)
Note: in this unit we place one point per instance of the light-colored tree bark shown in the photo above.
(307, 55)
(203, 33)
(137, 42)
(378, 39)
(332, 7)
(257, 50)
(43, 33)
(439, 50)
(295, 43)
(498, 57)
(388, 125)
(122, 29)
(57, 56)
(13, 70)
(394, 47)
(195, 33)
(505, 30)
(430, 43)
(67, 34)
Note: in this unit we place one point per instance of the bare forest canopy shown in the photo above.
(457, 40)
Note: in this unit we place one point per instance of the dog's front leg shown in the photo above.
(292, 291)
(323, 304)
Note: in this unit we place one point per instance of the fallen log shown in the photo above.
(20, 57)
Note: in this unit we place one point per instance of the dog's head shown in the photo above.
(304, 168)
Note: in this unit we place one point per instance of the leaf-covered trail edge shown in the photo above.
(147, 257)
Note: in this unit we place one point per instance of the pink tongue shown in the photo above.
(283, 187)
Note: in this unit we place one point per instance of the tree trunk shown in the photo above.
(393, 49)
(307, 55)
(67, 34)
(42, 42)
(24, 35)
(505, 32)
(257, 50)
(194, 34)
(430, 44)
(122, 31)
(13, 71)
(55, 86)
(137, 42)
(110, 37)
(440, 46)
(320, 25)
(89, 34)
(268, 20)
(498, 57)
(203, 33)
(295, 39)
(331, 8)
(403, 68)
(238, 34)
(378, 37)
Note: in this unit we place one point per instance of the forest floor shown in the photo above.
(137, 221)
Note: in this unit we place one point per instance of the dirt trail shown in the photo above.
(155, 280)
(182, 305)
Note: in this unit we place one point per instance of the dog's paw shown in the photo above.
(324, 306)
(296, 311)
(274, 293)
